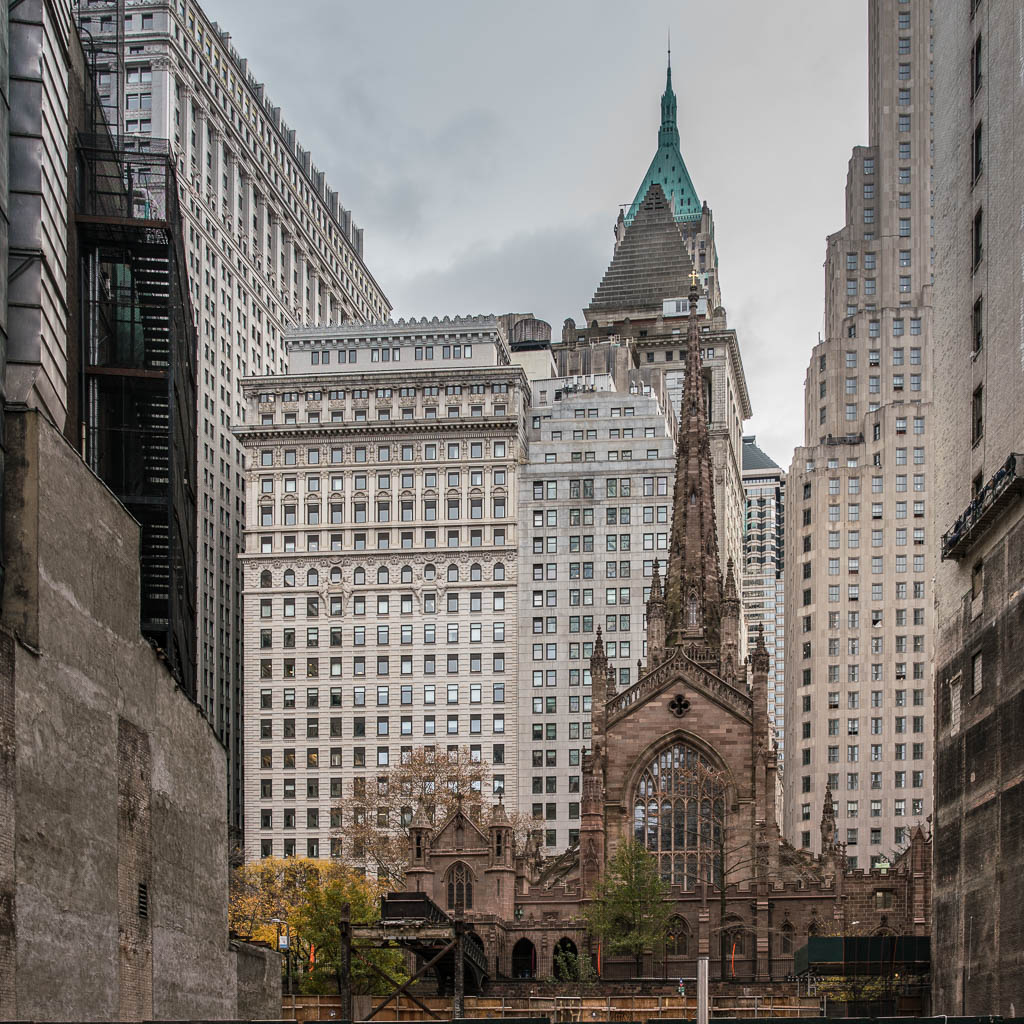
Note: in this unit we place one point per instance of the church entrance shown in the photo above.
(564, 963)
(524, 959)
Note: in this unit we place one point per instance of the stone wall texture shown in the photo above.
(977, 960)
(113, 847)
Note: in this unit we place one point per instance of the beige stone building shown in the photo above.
(380, 567)
(860, 540)
(979, 386)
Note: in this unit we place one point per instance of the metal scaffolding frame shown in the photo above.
(138, 351)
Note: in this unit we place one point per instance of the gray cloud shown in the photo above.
(485, 148)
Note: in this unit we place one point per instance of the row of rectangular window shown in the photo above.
(428, 695)
(383, 753)
(852, 809)
(877, 699)
(853, 592)
(382, 453)
(361, 481)
(382, 538)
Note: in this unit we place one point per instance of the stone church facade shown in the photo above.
(681, 761)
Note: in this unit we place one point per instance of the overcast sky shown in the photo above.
(485, 148)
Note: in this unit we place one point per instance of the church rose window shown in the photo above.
(678, 814)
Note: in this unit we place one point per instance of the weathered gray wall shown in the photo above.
(118, 780)
(259, 982)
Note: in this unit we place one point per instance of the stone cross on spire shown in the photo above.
(693, 582)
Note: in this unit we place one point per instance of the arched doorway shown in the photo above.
(564, 964)
(524, 959)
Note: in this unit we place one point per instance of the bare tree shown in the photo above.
(372, 824)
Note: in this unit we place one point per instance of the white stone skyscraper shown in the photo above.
(860, 541)
(763, 576)
(268, 246)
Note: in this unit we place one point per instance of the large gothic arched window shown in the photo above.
(678, 814)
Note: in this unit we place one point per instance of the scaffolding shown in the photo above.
(138, 351)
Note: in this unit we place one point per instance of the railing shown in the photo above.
(1005, 484)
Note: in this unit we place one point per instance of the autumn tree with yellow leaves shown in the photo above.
(304, 898)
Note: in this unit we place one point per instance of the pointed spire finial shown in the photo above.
(730, 580)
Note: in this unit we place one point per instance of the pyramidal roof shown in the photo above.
(650, 264)
(667, 168)
(755, 458)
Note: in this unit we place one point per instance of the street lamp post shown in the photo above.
(287, 950)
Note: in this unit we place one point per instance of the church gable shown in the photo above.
(459, 832)
(681, 705)
(681, 671)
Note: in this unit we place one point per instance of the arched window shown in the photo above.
(359, 575)
(265, 578)
(734, 944)
(383, 576)
(336, 574)
(679, 815)
(407, 574)
(677, 939)
(312, 578)
(460, 887)
(475, 572)
(499, 570)
(289, 577)
(430, 571)
(453, 573)
(691, 611)
(786, 939)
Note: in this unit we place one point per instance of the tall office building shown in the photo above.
(595, 511)
(979, 383)
(664, 238)
(764, 485)
(380, 566)
(268, 246)
(859, 537)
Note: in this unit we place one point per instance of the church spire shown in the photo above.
(693, 582)
(668, 134)
(667, 168)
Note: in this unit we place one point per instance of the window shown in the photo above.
(977, 238)
(977, 414)
(976, 67)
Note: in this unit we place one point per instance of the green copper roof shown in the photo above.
(667, 168)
